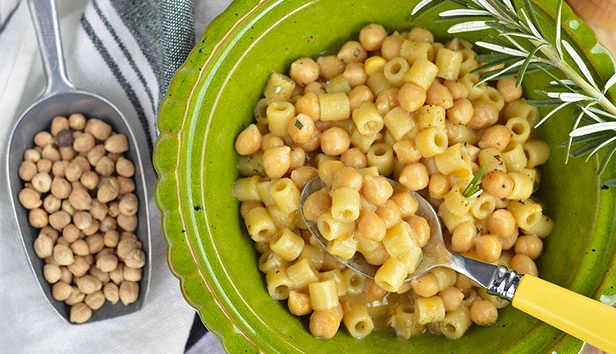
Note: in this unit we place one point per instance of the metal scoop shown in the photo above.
(60, 97)
(581, 317)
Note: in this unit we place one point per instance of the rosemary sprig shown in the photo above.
(521, 47)
(473, 189)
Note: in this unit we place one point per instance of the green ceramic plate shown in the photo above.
(210, 101)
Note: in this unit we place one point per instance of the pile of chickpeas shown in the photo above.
(80, 193)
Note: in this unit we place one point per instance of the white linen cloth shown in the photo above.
(127, 51)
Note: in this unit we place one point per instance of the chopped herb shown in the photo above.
(473, 189)
(298, 124)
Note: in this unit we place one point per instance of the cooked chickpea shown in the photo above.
(411, 97)
(438, 94)
(425, 285)
(372, 226)
(463, 236)
(501, 223)
(390, 47)
(276, 161)
(330, 66)
(529, 245)
(452, 298)
(488, 248)
(372, 36)
(304, 71)
(376, 189)
(497, 183)
(421, 229)
(352, 52)
(485, 114)
(335, 141)
(483, 312)
(414, 176)
(497, 136)
(324, 323)
(508, 89)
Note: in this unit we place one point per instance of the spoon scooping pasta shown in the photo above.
(579, 316)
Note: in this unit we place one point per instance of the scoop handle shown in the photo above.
(47, 27)
(577, 315)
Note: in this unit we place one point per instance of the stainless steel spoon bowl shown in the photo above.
(434, 254)
(60, 97)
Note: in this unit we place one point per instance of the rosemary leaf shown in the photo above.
(473, 189)
(606, 159)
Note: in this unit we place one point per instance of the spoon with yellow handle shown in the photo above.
(577, 315)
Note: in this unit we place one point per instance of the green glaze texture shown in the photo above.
(210, 101)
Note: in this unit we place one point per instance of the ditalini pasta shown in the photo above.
(402, 106)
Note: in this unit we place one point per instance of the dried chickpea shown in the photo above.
(80, 313)
(98, 128)
(117, 275)
(32, 155)
(60, 188)
(30, 198)
(52, 273)
(116, 143)
(27, 170)
(111, 292)
(125, 167)
(89, 284)
(105, 166)
(127, 222)
(59, 220)
(59, 168)
(126, 185)
(108, 191)
(108, 223)
(135, 258)
(107, 263)
(79, 267)
(80, 248)
(132, 274)
(71, 233)
(44, 165)
(129, 291)
(63, 255)
(84, 142)
(95, 300)
(77, 121)
(43, 139)
(102, 276)
(80, 199)
(61, 290)
(82, 219)
(38, 218)
(89, 179)
(75, 298)
(43, 246)
(41, 182)
(72, 172)
(129, 204)
(67, 153)
(95, 243)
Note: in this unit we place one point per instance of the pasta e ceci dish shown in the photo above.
(404, 106)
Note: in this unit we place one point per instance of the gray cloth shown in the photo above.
(127, 51)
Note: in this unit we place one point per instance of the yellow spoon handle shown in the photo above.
(577, 315)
